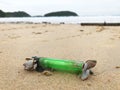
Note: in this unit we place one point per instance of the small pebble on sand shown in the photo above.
(81, 30)
(89, 84)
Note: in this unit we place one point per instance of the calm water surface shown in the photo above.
(74, 20)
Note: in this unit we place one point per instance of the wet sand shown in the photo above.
(81, 43)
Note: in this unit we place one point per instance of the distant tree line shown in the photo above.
(14, 14)
(24, 14)
(2, 14)
(61, 13)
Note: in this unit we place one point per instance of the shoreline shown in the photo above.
(82, 20)
(82, 24)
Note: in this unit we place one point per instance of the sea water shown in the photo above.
(73, 20)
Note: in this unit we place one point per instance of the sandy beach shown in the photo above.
(65, 41)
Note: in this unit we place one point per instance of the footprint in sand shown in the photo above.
(37, 32)
(61, 38)
(88, 33)
(2, 29)
(112, 38)
(40, 32)
(44, 41)
(46, 31)
(118, 36)
(100, 29)
(72, 36)
(33, 27)
(88, 84)
(115, 37)
(67, 37)
(14, 37)
(44, 25)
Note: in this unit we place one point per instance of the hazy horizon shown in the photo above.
(81, 7)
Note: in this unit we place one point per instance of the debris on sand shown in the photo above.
(47, 73)
(117, 67)
(81, 30)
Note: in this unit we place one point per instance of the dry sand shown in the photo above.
(76, 42)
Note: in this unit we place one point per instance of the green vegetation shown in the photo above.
(14, 14)
(17, 14)
(2, 14)
(61, 13)
(24, 14)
